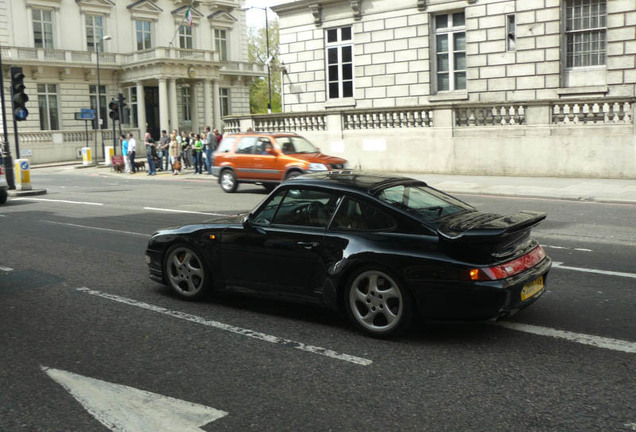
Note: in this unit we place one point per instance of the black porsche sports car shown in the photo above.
(382, 248)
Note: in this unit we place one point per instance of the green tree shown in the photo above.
(257, 53)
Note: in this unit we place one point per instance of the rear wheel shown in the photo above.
(377, 304)
(186, 272)
(3, 196)
(228, 181)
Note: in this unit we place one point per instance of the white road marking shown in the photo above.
(183, 211)
(60, 201)
(126, 409)
(568, 248)
(5, 269)
(560, 265)
(232, 329)
(98, 228)
(585, 339)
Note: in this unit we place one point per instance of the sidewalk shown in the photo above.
(577, 189)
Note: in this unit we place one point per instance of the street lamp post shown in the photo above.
(269, 59)
(99, 85)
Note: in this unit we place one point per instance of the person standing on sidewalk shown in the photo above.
(124, 152)
(197, 149)
(132, 150)
(151, 150)
(175, 151)
(210, 146)
(164, 144)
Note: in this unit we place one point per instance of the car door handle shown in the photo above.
(308, 245)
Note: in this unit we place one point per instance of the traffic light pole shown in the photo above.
(6, 151)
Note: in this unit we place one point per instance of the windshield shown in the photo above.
(422, 201)
(296, 144)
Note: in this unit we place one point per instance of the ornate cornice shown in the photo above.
(316, 11)
(355, 6)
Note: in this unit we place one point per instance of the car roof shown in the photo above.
(358, 181)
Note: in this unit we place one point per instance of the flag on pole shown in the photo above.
(189, 15)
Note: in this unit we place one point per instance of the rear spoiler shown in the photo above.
(480, 226)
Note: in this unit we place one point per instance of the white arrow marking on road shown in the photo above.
(127, 409)
(5, 269)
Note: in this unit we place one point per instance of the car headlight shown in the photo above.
(317, 167)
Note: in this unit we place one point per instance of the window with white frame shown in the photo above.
(47, 104)
(43, 28)
(339, 55)
(144, 34)
(185, 37)
(220, 41)
(585, 32)
(92, 91)
(224, 100)
(186, 102)
(94, 32)
(450, 52)
(130, 112)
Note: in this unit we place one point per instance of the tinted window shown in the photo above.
(246, 145)
(262, 145)
(359, 215)
(266, 214)
(226, 145)
(306, 207)
(422, 201)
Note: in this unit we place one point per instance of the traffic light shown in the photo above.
(122, 104)
(114, 109)
(18, 97)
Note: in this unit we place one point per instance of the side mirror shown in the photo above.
(247, 221)
(271, 151)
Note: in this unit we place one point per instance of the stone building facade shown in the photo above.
(542, 87)
(176, 70)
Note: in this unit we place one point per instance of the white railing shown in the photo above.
(290, 123)
(493, 115)
(232, 125)
(592, 113)
(386, 119)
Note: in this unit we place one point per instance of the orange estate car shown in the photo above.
(268, 159)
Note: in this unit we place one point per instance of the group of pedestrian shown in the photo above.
(176, 151)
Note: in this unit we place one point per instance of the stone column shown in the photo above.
(141, 111)
(194, 94)
(164, 118)
(217, 105)
(174, 116)
(207, 103)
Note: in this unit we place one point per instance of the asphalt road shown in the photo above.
(77, 306)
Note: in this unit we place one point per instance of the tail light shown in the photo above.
(509, 268)
(1, 170)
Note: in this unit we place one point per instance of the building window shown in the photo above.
(47, 104)
(92, 91)
(224, 100)
(94, 32)
(450, 51)
(585, 32)
(511, 33)
(185, 37)
(144, 36)
(339, 45)
(43, 28)
(220, 40)
(186, 101)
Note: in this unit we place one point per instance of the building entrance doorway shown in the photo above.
(151, 96)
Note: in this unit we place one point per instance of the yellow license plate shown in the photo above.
(532, 288)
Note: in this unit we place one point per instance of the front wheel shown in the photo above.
(228, 181)
(377, 304)
(186, 272)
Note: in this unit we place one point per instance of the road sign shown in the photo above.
(88, 110)
(84, 115)
(24, 165)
